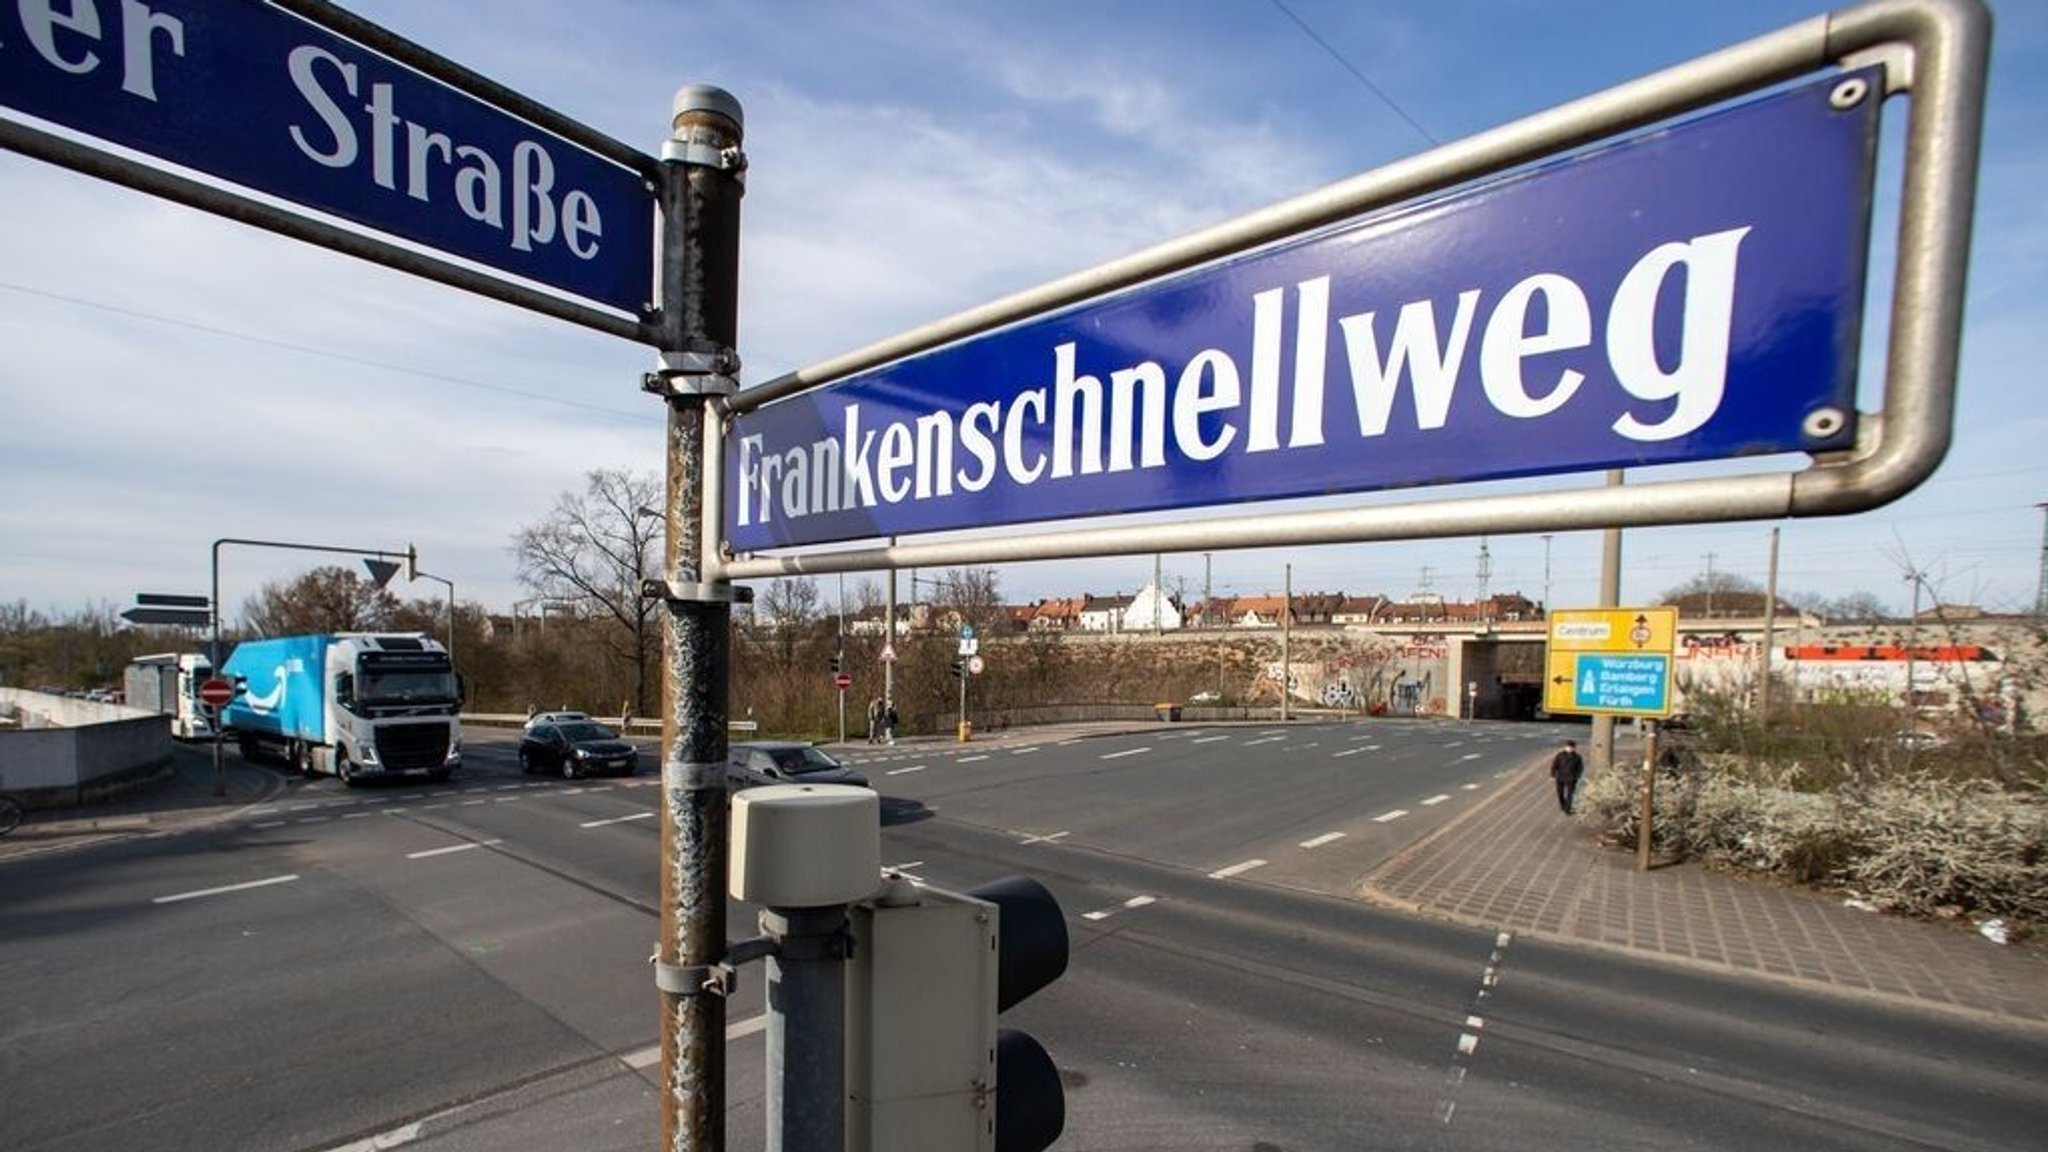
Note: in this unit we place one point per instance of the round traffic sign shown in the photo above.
(216, 693)
(843, 681)
(974, 665)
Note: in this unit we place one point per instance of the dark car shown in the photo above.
(576, 748)
(786, 762)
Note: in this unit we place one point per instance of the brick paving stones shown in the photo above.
(1516, 862)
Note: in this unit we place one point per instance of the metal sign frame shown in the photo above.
(1934, 50)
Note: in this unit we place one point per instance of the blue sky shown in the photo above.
(172, 378)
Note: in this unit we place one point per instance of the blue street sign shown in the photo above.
(1690, 293)
(256, 96)
(1630, 684)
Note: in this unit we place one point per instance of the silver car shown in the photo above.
(758, 762)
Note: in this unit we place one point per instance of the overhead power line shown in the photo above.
(1360, 76)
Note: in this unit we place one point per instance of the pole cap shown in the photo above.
(698, 99)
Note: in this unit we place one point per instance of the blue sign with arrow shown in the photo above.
(1693, 292)
(1637, 684)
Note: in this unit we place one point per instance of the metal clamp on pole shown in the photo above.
(712, 371)
(685, 776)
(687, 592)
(696, 980)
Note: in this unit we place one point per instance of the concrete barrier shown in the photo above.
(62, 752)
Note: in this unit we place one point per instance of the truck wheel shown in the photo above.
(344, 768)
(300, 760)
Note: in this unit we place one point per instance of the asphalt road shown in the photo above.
(463, 966)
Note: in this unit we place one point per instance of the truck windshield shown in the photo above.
(406, 686)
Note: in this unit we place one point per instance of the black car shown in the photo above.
(576, 748)
(786, 762)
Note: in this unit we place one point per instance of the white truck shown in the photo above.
(168, 682)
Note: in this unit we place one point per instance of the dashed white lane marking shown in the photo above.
(1023, 751)
(1237, 869)
(1325, 838)
(224, 889)
(450, 848)
(1045, 839)
(1263, 740)
(269, 824)
(971, 759)
(618, 819)
(1208, 739)
(396, 1137)
(1469, 787)
(358, 815)
(1468, 1039)
(1106, 913)
(906, 771)
(1384, 817)
(1346, 752)
(1469, 756)
(1124, 753)
(1435, 800)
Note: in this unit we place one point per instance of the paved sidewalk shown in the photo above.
(1516, 862)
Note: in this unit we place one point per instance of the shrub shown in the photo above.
(1917, 842)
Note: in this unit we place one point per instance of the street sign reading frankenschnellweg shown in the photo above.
(269, 101)
(1690, 293)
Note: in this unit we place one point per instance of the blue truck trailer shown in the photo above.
(355, 705)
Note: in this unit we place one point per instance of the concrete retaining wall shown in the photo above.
(61, 751)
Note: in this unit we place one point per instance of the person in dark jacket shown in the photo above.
(1566, 767)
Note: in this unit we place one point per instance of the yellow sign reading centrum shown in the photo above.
(1614, 661)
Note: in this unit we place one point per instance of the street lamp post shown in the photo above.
(418, 575)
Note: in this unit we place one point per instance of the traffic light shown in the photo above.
(837, 660)
(930, 971)
(959, 668)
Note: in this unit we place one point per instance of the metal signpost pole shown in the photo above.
(700, 202)
(1610, 595)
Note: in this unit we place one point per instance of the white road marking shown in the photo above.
(450, 848)
(1236, 869)
(1469, 756)
(358, 815)
(269, 824)
(906, 771)
(1467, 1042)
(1106, 913)
(1469, 787)
(971, 759)
(1022, 751)
(1264, 740)
(618, 820)
(396, 1138)
(1384, 817)
(1124, 753)
(1435, 800)
(1045, 839)
(1346, 752)
(1209, 739)
(194, 895)
(1325, 838)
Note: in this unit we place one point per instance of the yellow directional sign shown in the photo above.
(1610, 661)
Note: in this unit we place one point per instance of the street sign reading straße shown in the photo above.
(1690, 293)
(267, 100)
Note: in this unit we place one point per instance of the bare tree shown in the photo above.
(327, 599)
(593, 549)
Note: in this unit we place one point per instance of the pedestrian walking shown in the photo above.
(1566, 767)
(889, 721)
(874, 720)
